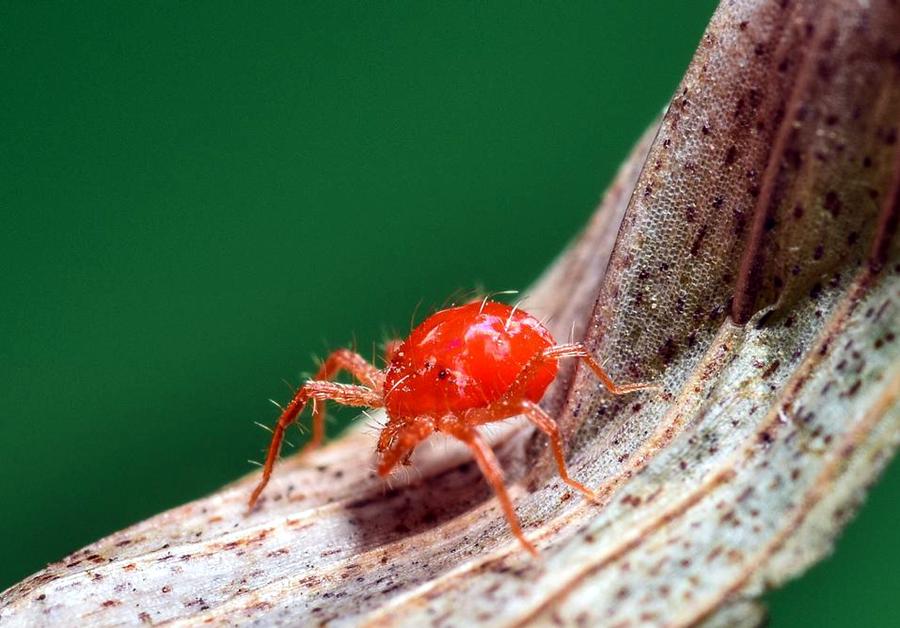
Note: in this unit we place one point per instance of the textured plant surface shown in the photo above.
(752, 271)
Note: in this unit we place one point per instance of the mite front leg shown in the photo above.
(353, 363)
(344, 394)
(493, 473)
(340, 360)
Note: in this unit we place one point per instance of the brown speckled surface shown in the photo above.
(756, 276)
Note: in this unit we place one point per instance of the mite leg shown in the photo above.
(397, 442)
(510, 403)
(548, 426)
(578, 350)
(492, 471)
(516, 392)
(317, 390)
(354, 363)
(513, 402)
(340, 360)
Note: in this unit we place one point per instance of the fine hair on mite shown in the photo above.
(461, 368)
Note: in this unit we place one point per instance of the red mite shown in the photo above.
(462, 367)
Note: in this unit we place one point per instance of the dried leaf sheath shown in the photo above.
(769, 197)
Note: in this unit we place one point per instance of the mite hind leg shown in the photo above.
(545, 423)
(578, 350)
(514, 402)
(510, 403)
(344, 394)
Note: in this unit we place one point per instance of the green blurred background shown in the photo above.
(197, 197)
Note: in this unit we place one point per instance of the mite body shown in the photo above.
(460, 368)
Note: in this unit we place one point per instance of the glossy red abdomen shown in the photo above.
(465, 357)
